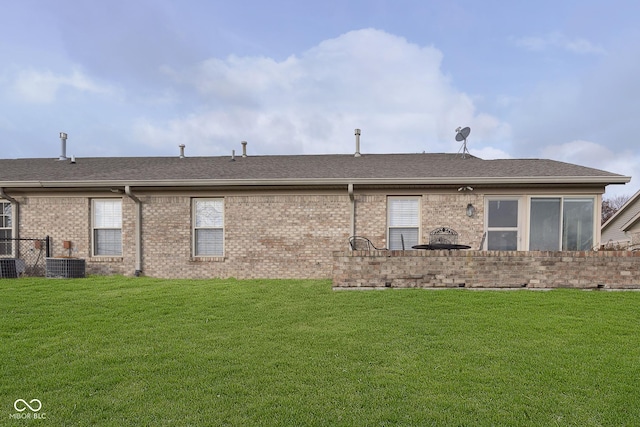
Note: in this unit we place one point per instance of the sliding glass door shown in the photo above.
(544, 224)
(577, 224)
(561, 223)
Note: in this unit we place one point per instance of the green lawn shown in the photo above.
(115, 351)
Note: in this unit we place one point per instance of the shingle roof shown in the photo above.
(291, 169)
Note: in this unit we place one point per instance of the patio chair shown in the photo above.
(358, 243)
(484, 236)
(444, 235)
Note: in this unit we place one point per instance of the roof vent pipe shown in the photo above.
(181, 151)
(233, 155)
(63, 146)
(357, 143)
(244, 148)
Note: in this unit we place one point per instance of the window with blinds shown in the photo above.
(5, 229)
(208, 227)
(403, 219)
(107, 227)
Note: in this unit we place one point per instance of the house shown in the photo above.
(623, 228)
(283, 216)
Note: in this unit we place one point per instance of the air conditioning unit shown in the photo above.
(8, 268)
(65, 268)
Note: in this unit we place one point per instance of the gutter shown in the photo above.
(16, 212)
(452, 180)
(138, 232)
(5, 196)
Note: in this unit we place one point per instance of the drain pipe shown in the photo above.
(127, 191)
(352, 198)
(15, 215)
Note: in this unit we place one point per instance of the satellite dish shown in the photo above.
(461, 135)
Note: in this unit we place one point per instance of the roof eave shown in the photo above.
(526, 180)
(623, 208)
(631, 223)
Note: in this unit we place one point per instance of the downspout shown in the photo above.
(127, 191)
(352, 198)
(15, 217)
(598, 222)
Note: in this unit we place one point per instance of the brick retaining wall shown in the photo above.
(486, 269)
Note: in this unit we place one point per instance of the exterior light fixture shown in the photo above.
(471, 210)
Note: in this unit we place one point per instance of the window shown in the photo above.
(404, 221)
(5, 229)
(208, 229)
(502, 225)
(107, 227)
(561, 224)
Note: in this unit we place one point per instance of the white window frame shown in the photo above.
(96, 226)
(10, 228)
(408, 242)
(219, 224)
(519, 223)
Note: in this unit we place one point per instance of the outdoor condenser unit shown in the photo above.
(65, 268)
(8, 268)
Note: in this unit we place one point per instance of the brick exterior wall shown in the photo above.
(69, 219)
(61, 218)
(290, 234)
(437, 210)
(371, 218)
(266, 236)
(449, 210)
(486, 269)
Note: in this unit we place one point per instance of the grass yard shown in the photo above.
(114, 351)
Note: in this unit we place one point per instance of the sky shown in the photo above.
(546, 79)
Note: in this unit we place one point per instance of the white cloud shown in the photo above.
(590, 154)
(559, 41)
(489, 153)
(393, 90)
(41, 87)
(579, 152)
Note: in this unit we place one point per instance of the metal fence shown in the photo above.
(30, 254)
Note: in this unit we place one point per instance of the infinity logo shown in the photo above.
(26, 405)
